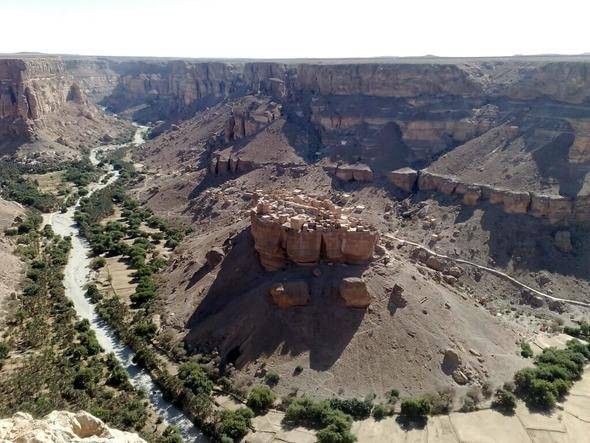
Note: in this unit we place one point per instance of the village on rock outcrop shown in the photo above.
(304, 229)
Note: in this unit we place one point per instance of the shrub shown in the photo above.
(487, 389)
(441, 402)
(469, 404)
(234, 424)
(415, 408)
(381, 411)
(504, 401)
(542, 393)
(272, 378)
(334, 424)
(170, 435)
(334, 434)
(260, 399)
(97, 263)
(525, 350)
(194, 377)
(93, 293)
(118, 376)
(357, 409)
(85, 378)
(298, 370)
(89, 341)
(392, 396)
(145, 329)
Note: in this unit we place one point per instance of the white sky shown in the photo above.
(296, 28)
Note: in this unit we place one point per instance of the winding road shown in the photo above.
(490, 270)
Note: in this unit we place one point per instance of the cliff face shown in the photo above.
(47, 111)
(384, 115)
(29, 90)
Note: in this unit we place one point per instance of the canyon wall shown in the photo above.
(29, 90)
(557, 209)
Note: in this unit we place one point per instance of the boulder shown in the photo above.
(353, 291)
(404, 178)
(563, 241)
(451, 361)
(436, 263)
(357, 172)
(214, 256)
(289, 294)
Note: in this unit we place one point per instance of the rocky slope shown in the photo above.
(502, 148)
(62, 427)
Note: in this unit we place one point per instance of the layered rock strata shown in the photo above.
(29, 90)
(557, 209)
(294, 227)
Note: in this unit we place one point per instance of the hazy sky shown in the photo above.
(298, 28)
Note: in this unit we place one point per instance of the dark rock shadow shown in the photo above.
(409, 424)
(238, 318)
(396, 300)
(198, 275)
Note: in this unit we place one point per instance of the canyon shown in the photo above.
(352, 225)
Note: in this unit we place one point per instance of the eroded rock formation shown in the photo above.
(294, 227)
(557, 209)
(250, 118)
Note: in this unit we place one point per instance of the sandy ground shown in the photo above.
(50, 182)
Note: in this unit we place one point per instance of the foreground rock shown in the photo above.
(61, 426)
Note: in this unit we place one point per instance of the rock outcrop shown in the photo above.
(404, 178)
(251, 117)
(353, 291)
(62, 426)
(214, 256)
(304, 230)
(226, 163)
(356, 172)
(557, 209)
